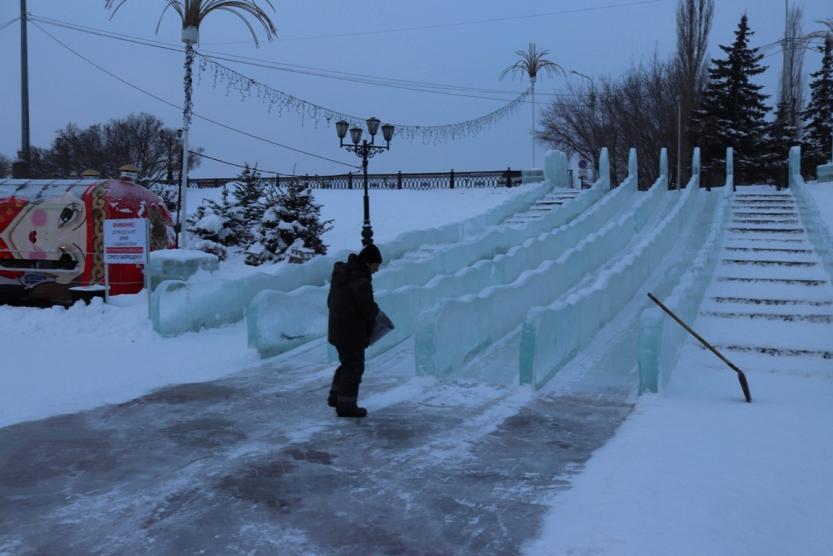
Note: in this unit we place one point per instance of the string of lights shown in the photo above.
(502, 95)
(281, 102)
(179, 108)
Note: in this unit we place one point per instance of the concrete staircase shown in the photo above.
(543, 206)
(770, 302)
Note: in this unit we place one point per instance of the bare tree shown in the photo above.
(791, 93)
(139, 139)
(635, 110)
(694, 22)
(5, 166)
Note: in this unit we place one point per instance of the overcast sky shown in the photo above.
(604, 40)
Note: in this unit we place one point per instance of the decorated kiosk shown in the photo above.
(52, 234)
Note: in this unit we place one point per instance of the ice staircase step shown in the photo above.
(796, 281)
(783, 214)
(768, 250)
(768, 239)
(770, 302)
(777, 351)
(786, 317)
(746, 230)
(762, 221)
(768, 263)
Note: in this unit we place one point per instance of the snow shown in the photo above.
(210, 223)
(67, 360)
(391, 212)
(822, 194)
(695, 469)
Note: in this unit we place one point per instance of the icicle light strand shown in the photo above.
(282, 103)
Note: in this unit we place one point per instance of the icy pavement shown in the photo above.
(696, 470)
(257, 463)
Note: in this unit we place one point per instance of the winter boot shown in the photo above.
(332, 400)
(347, 408)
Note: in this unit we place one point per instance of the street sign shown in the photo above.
(126, 241)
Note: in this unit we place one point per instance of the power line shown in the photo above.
(365, 79)
(10, 22)
(466, 23)
(243, 166)
(173, 105)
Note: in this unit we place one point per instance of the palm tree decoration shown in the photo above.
(532, 61)
(192, 13)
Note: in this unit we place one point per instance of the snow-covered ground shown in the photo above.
(694, 470)
(62, 360)
(392, 212)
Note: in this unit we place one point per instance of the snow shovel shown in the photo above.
(741, 377)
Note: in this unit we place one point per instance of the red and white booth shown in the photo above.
(52, 235)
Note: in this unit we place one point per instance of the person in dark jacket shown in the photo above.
(352, 316)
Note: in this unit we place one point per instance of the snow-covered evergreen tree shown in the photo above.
(167, 193)
(733, 109)
(819, 112)
(291, 217)
(230, 222)
(248, 204)
(214, 226)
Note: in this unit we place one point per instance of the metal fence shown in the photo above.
(399, 180)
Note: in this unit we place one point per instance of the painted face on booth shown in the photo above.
(51, 229)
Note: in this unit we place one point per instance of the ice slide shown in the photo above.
(470, 330)
(554, 334)
(278, 321)
(180, 306)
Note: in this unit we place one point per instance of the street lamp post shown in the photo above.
(365, 151)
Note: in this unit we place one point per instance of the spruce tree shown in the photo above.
(248, 201)
(733, 109)
(819, 113)
(291, 218)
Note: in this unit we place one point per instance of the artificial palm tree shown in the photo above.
(532, 61)
(192, 13)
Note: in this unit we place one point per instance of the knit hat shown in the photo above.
(370, 254)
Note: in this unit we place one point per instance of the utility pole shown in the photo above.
(25, 150)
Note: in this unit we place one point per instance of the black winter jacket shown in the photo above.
(352, 308)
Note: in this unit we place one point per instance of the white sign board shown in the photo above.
(126, 241)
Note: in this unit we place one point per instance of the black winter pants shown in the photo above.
(348, 375)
